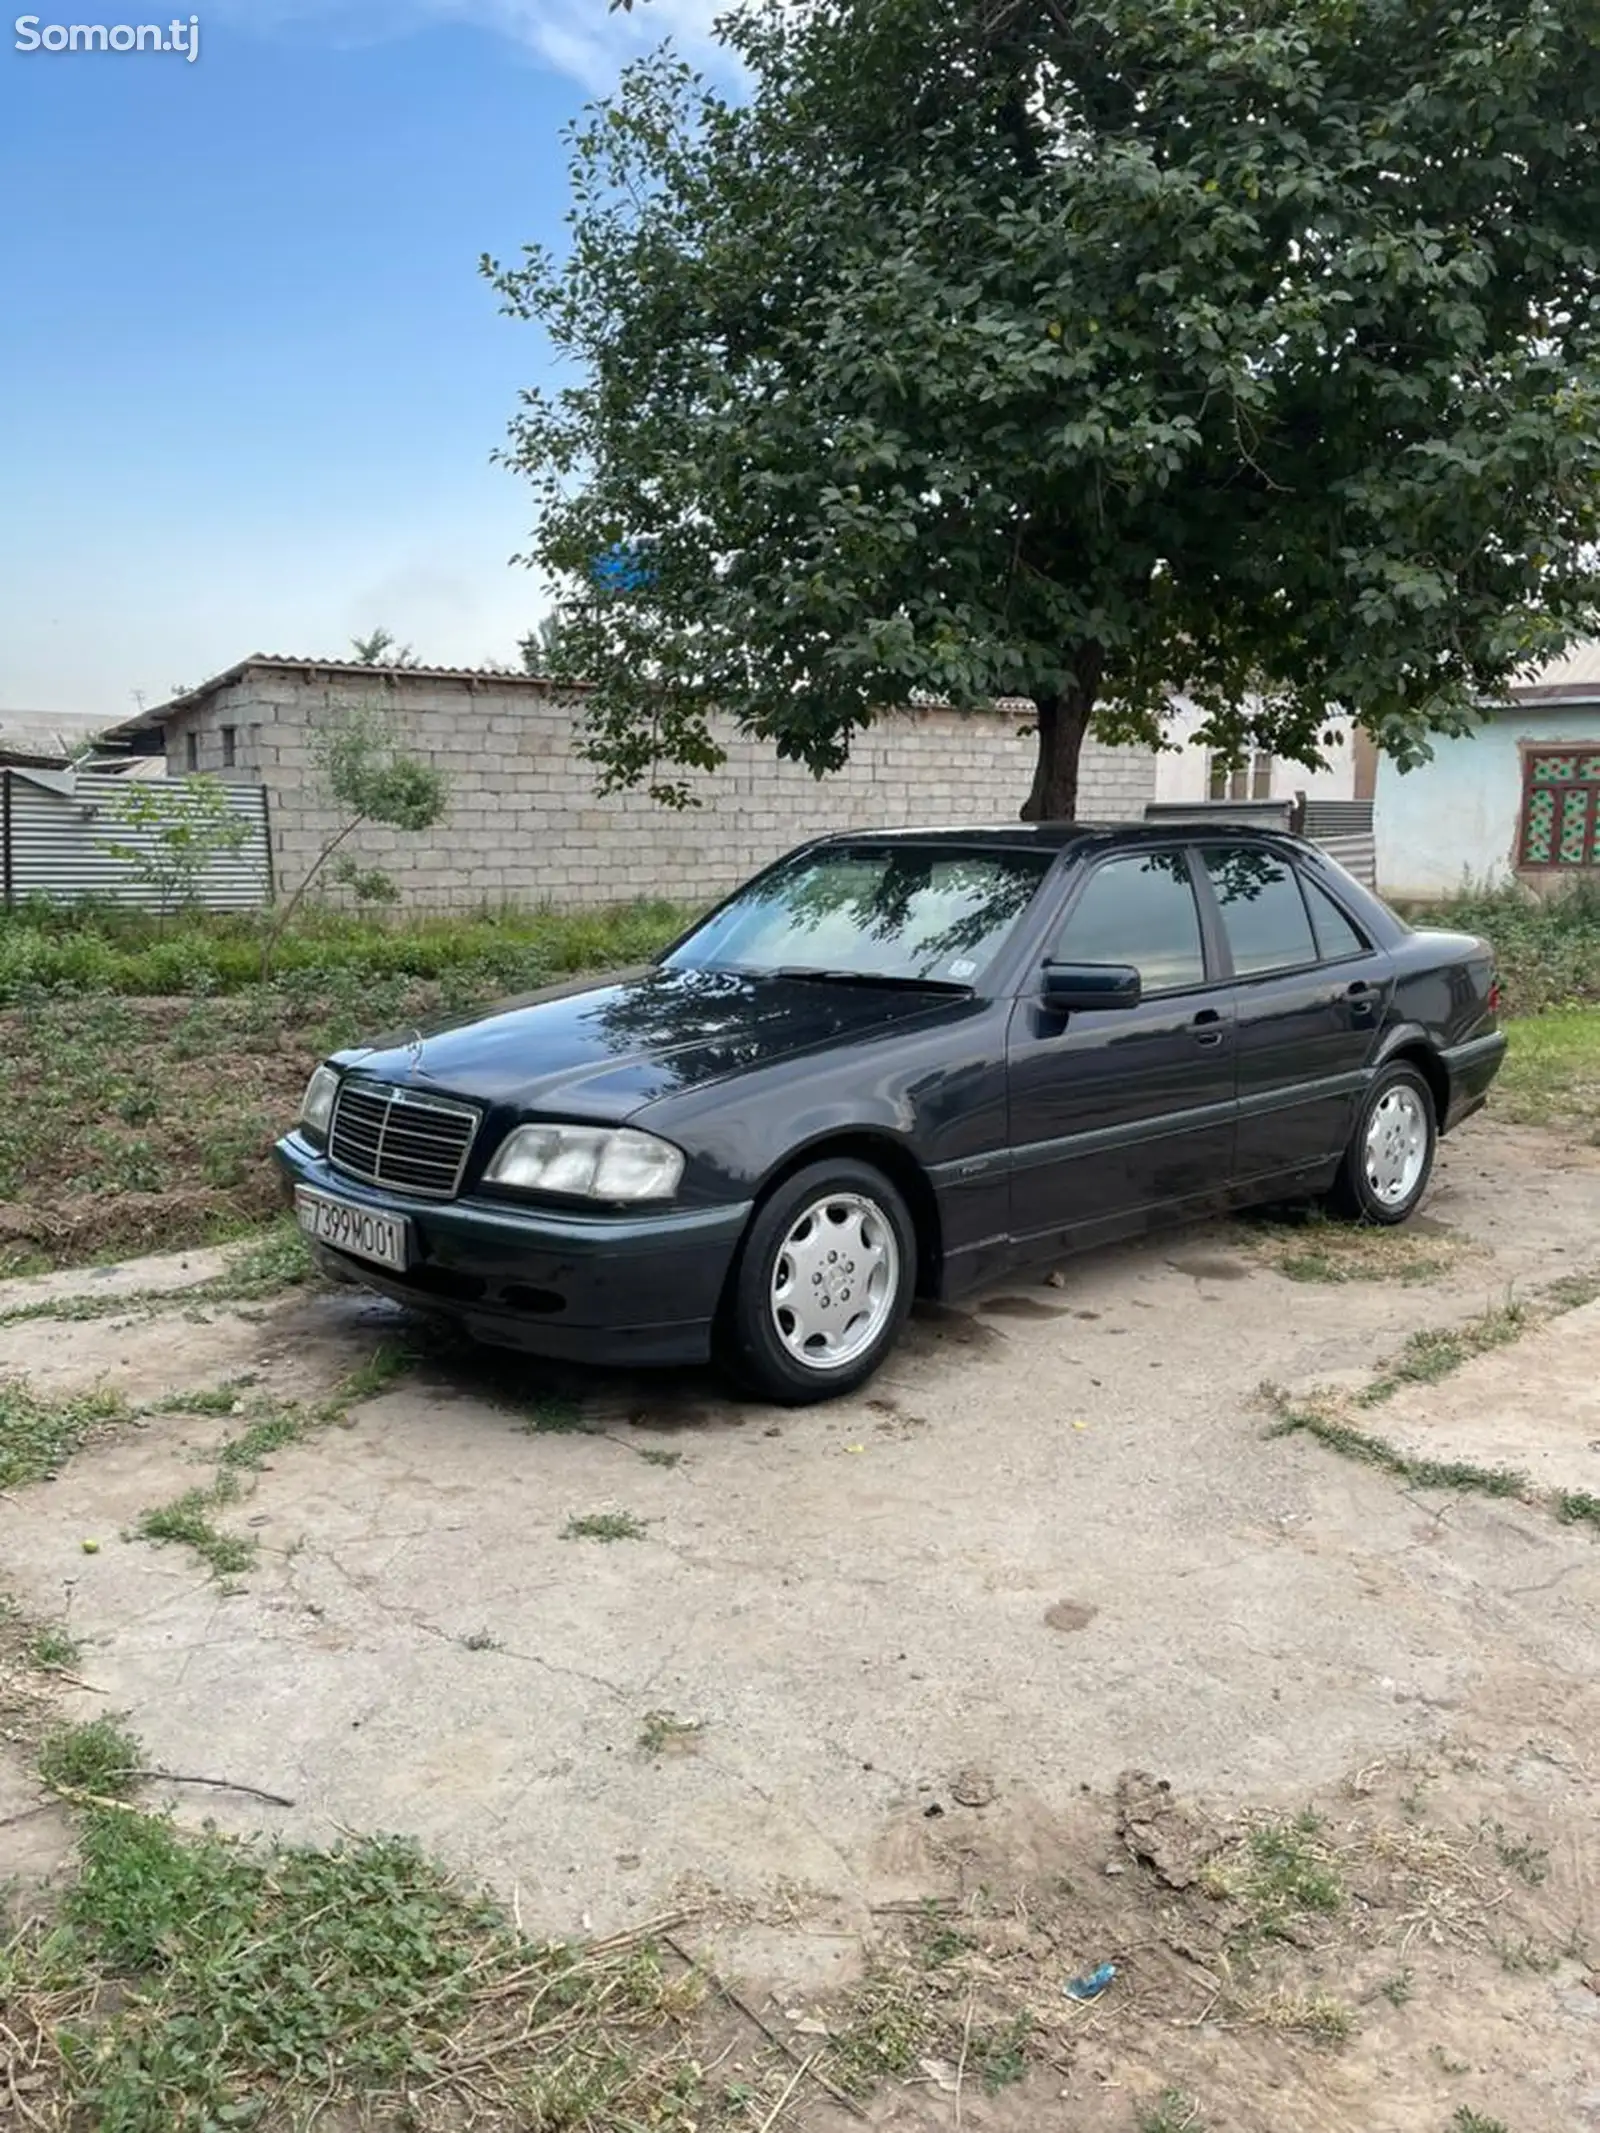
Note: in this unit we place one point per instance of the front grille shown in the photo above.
(399, 1137)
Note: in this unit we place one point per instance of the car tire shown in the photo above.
(822, 1285)
(1389, 1160)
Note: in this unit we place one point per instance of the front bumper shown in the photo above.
(600, 1288)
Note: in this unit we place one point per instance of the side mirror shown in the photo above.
(1087, 985)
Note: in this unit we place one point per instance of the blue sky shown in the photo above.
(250, 379)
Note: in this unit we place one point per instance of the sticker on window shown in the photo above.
(962, 967)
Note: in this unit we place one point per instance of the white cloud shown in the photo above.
(581, 38)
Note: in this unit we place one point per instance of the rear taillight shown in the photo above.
(1494, 996)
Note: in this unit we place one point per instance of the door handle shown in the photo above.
(1363, 997)
(1207, 1026)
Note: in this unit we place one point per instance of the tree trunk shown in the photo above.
(1062, 721)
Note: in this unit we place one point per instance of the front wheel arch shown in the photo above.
(881, 1151)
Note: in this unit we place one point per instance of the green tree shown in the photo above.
(1076, 350)
(380, 649)
(172, 835)
(366, 775)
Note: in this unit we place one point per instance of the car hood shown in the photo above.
(605, 1051)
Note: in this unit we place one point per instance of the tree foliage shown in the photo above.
(380, 648)
(1079, 350)
(172, 835)
(365, 774)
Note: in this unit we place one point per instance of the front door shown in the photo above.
(1310, 995)
(1118, 1110)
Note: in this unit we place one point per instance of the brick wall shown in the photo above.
(526, 826)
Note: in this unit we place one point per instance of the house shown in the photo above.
(1517, 799)
(525, 823)
(1189, 774)
(45, 740)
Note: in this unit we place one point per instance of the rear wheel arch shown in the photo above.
(1417, 1052)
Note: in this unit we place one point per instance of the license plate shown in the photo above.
(361, 1231)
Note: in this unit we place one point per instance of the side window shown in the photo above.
(1336, 936)
(1263, 912)
(1139, 910)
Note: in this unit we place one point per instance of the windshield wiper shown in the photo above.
(863, 977)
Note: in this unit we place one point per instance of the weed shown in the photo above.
(187, 1520)
(551, 1414)
(225, 1983)
(388, 1362)
(890, 2026)
(98, 1757)
(606, 1526)
(54, 1650)
(664, 1731)
(39, 1434)
(268, 1433)
(1436, 1351)
(1577, 1507)
(1522, 1955)
(1000, 2056)
(1445, 2063)
(1398, 1989)
(1278, 1875)
(1172, 2112)
(1468, 2121)
(1352, 1443)
(653, 1456)
(480, 1640)
(1530, 1861)
(944, 1943)
(1315, 1248)
(221, 1399)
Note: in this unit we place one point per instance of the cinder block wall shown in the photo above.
(526, 826)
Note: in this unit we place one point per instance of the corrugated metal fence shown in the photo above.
(55, 826)
(1343, 828)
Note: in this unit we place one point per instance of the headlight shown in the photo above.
(587, 1162)
(316, 1106)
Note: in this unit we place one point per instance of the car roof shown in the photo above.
(1057, 836)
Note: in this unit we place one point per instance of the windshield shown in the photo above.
(900, 912)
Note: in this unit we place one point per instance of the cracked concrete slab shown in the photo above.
(1534, 1408)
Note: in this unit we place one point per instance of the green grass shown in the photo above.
(86, 950)
(1367, 1450)
(1276, 1876)
(1551, 1074)
(606, 1526)
(1466, 2121)
(98, 1758)
(194, 1983)
(53, 1650)
(39, 1433)
(158, 1069)
(187, 1522)
(1314, 1247)
(1435, 1351)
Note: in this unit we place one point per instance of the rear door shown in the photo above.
(1310, 992)
(1116, 1110)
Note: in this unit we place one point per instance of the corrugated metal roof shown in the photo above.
(45, 736)
(1575, 674)
(281, 663)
